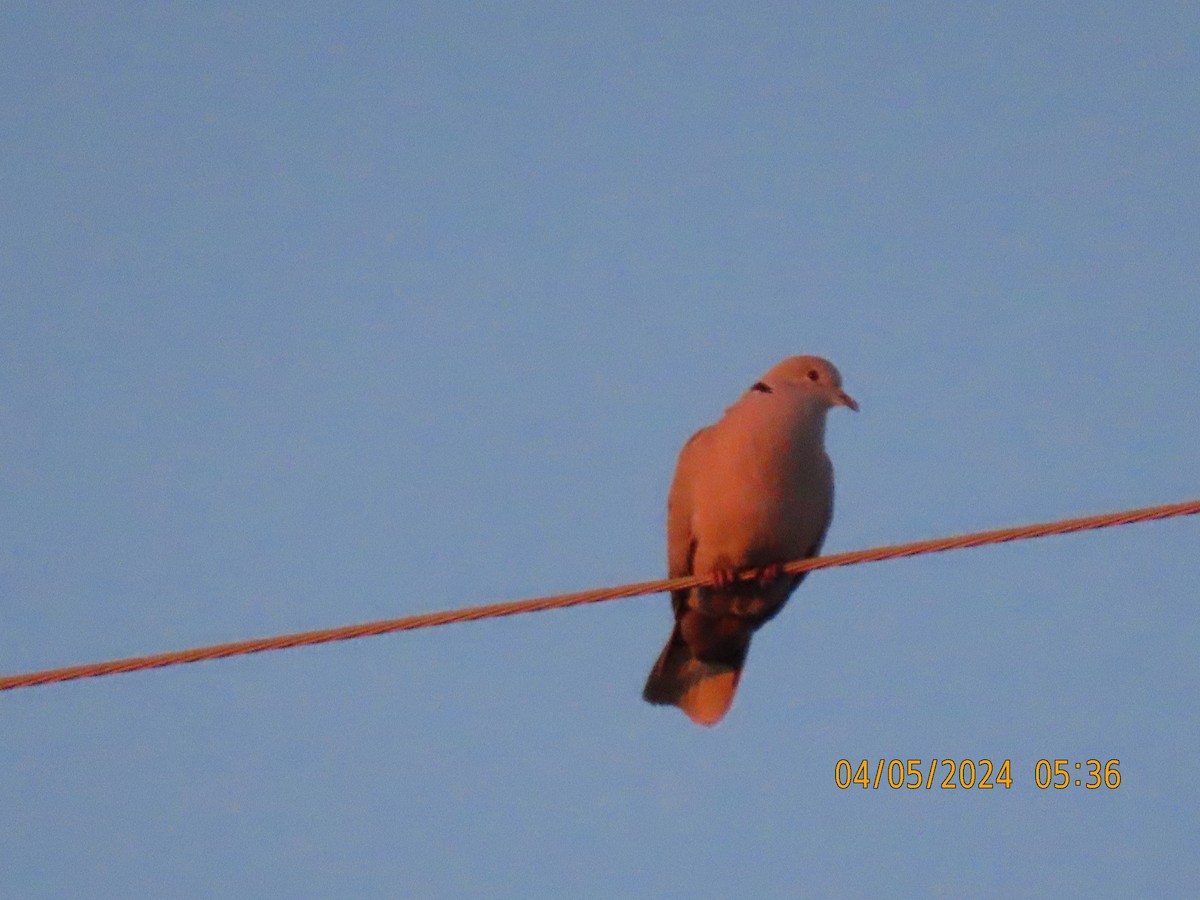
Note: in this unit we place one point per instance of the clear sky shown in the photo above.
(313, 314)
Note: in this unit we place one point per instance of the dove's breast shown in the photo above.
(764, 492)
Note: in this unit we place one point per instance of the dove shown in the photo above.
(752, 491)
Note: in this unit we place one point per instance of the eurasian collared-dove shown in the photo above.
(753, 490)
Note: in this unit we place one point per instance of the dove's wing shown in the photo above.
(681, 541)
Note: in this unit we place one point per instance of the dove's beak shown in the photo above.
(844, 399)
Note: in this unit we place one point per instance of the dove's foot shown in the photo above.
(723, 577)
(731, 593)
(713, 600)
(770, 573)
(754, 600)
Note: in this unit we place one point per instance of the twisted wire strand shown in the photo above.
(561, 601)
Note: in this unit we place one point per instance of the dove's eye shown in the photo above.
(814, 375)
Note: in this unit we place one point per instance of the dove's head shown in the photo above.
(811, 375)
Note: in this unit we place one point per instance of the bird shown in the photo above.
(751, 491)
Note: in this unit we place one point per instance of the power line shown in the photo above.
(559, 601)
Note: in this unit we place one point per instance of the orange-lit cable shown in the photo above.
(428, 620)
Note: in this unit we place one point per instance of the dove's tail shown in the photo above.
(703, 690)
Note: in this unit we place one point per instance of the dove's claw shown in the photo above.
(723, 577)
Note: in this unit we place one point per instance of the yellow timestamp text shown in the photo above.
(916, 774)
(968, 774)
(1064, 773)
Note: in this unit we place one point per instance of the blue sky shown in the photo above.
(312, 315)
